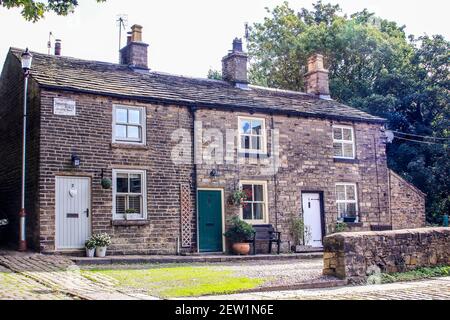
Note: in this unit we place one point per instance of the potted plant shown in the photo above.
(102, 241)
(129, 212)
(238, 233)
(90, 246)
(106, 183)
(238, 197)
(297, 229)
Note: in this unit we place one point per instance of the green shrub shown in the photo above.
(239, 230)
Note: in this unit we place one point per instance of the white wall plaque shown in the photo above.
(64, 107)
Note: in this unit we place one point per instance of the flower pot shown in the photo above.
(349, 219)
(241, 248)
(100, 252)
(90, 252)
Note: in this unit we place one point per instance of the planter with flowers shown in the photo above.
(239, 233)
(90, 246)
(238, 197)
(102, 241)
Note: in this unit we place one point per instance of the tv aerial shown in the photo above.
(121, 22)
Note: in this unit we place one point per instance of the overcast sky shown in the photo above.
(187, 37)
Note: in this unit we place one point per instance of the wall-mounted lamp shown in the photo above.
(213, 173)
(75, 160)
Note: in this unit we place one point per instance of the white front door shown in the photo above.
(73, 210)
(312, 219)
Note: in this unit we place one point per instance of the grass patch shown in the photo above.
(184, 281)
(417, 274)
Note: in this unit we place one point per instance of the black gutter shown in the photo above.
(196, 104)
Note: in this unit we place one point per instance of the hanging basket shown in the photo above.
(106, 183)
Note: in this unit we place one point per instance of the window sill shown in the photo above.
(125, 145)
(140, 222)
(343, 160)
(256, 155)
(353, 224)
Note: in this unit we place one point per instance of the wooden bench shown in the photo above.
(266, 232)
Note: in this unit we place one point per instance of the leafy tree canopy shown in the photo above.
(34, 10)
(375, 67)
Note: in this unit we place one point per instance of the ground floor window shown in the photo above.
(346, 200)
(129, 193)
(254, 209)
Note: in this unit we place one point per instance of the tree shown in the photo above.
(214, 74)
(34, 10)
(375, 67)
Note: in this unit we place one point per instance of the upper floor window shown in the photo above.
(252, 135)
(343, 142)
(254, 209)
(347, 200)
(129, 124)
(129, 194)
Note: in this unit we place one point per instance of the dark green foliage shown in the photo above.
(419, 273)
(33, 10)
(239, 230)
(375, 67)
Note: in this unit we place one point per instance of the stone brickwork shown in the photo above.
(11, 111)
(306, 164)
(356, 255)
(407, 203)
(90, 135)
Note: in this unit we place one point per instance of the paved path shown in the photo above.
(430, 289)
(54, 277)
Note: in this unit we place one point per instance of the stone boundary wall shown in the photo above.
(355, 255)
(407, 203)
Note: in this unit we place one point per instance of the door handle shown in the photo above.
(87, 212)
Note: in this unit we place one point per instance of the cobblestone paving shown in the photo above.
(431, 289)
(54, 277)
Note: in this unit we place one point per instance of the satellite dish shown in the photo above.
(389, 136)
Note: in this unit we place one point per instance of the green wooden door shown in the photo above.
(210, 220)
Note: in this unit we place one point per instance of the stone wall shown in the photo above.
(354, 255)
(407, 203)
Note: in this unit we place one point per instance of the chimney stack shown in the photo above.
(134, 54)
(316, 79)
(234, 65)
(57, 47)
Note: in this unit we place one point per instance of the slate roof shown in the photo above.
(65, 73)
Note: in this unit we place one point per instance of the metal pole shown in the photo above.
(22, 213)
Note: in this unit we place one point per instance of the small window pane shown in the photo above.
(245, 142)
(347, 134)
(256, 143)
(247, 211)
(258, 196)
(121, 115)
(122, 182)
(120, 204)
(340, 192)
(133, 132)
(337, 133)
(121, 131)
(256, 126)
(348, 150)
(351, 210)
(341, 209)
(258, 211)
(245, 126)
(134, 116)
(134, 203)
(337, 147)
(351, 192)
(247, 188)
(135, 183)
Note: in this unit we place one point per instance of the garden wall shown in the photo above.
(354, 255)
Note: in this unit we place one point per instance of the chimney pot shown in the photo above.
(316, 79)
(57, 47)
(136, 33)
(234, 65)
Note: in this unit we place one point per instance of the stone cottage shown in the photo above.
(154, 159)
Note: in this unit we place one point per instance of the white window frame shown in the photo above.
(347, 201)
(263, 136)
(143, 173)
(342, 141)
(265, 206)
(142, 125)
